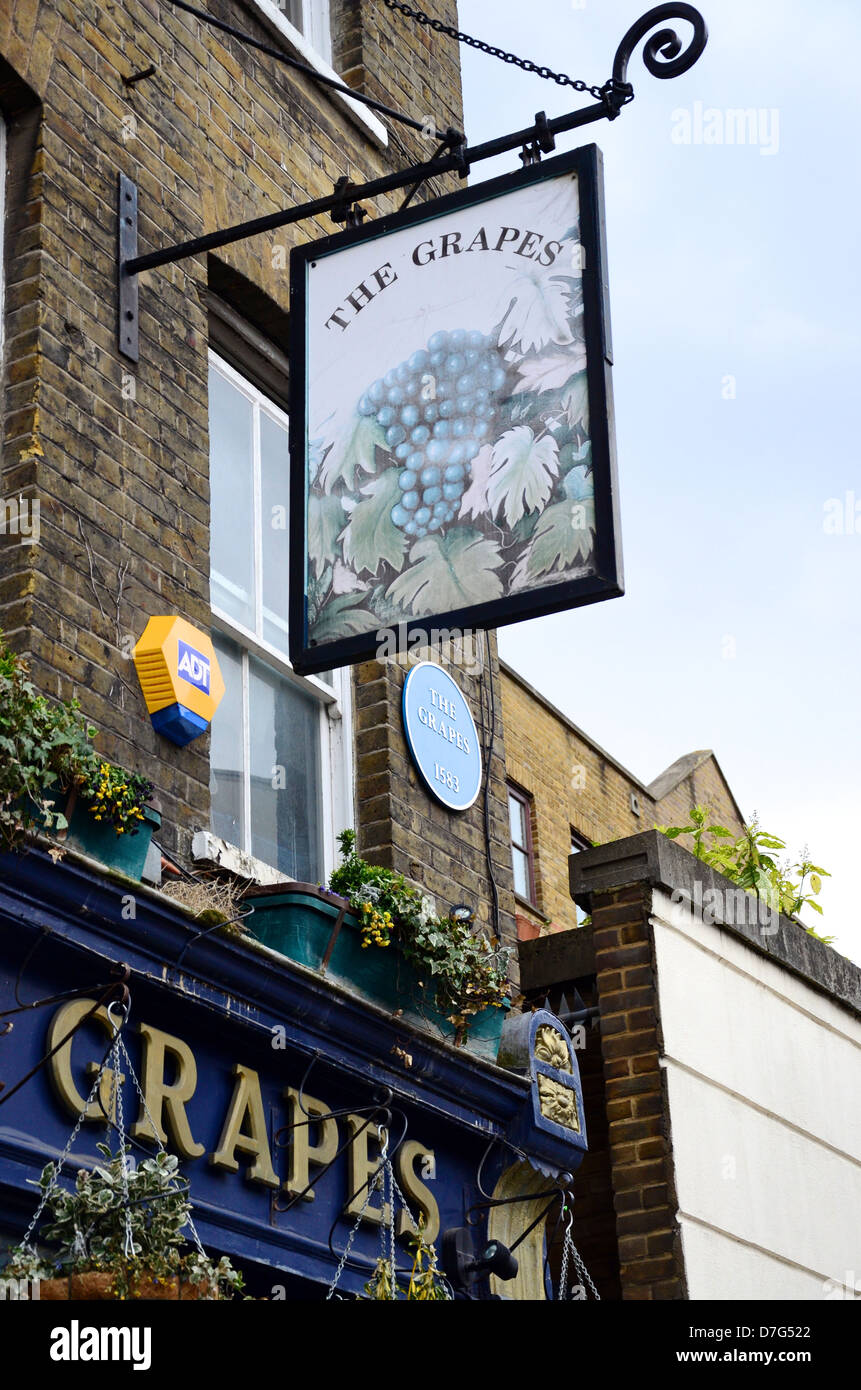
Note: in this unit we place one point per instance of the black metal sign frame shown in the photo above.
(606, 580)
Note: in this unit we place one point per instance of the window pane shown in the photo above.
(520, 864)
(274, 472)
(516, 820)
(225, 777)
(231, 480)
(285, 776)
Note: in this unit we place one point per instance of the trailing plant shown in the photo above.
(113, 795)
(127, 1221)
(749, 860)
(426, 1283)
(469, 971)
(46, 751)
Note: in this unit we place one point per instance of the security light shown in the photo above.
(463, 913)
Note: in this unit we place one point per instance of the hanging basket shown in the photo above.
(123, 1267)
(101, 1286)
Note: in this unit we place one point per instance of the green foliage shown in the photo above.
(469, 971)
(45, 751)
(111, 794)
(426, 1284)
(451, 571)
(749, 861)
(370, 538)
(89, 1232)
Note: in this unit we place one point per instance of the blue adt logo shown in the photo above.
(193, 667)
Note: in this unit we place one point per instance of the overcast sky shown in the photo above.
(739, 629)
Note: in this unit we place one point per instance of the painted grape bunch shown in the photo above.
(437, 408)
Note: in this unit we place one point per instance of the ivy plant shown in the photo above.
(469, 970)
(88, 1231)
(46, 750)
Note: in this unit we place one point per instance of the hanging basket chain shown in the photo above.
(372, 1188)
(62, 1160)
(161, 1148)
(115, 1116)
(440, 27)
(570, 1252)
(116, 1053)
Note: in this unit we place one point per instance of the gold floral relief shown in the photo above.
(558, 1103)
(551, 1047)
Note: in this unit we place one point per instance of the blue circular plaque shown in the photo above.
(442, 737)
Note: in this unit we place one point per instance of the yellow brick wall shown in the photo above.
(574, 784)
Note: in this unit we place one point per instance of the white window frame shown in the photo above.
(335, 701)
(314, 47)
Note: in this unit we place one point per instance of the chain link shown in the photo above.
(61, 1162)
(569, 1249)
(372, 1188)
(547, 73)
(145, 1110)
(115, 1115)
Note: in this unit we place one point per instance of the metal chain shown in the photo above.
(570, 1249)
(115, 1115)
(372, 1187)
(63, 1157)
(161, 1148)
(440, 28)
(389, 1182)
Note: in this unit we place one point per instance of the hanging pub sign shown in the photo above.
(452, 461)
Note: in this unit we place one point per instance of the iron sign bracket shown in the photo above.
(664, 56)
(128, 322)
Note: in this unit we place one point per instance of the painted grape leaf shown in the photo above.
(325, 520)
(474, 502)
(552, 372)
(354, 447)
(563, 537)
(346, 581)
(578, 486)
(537, 314)
(370, 535)
(316, 455)
(574, 455)
(523, 472)
(575, 401)
(342, 617)
(448, 572)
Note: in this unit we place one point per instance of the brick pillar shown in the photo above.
(400, 826)
(644, 1197)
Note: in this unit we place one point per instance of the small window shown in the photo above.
(579, 842)
(311, 19)
(520, 826)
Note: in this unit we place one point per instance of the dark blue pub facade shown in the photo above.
(275, 1085)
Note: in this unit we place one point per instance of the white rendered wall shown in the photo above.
(764, 1084)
